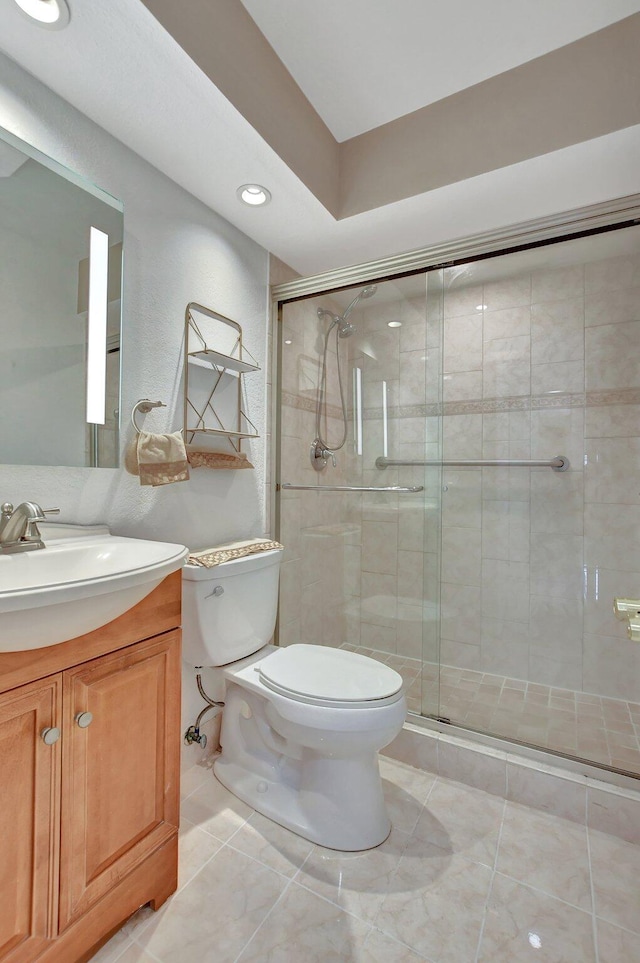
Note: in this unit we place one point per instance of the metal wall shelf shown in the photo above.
(214, 405)
(209, 358)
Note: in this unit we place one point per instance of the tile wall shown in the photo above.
(320, 572)
(535, 366)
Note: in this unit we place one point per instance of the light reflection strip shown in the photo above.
(97, 326)
(385, 435)
(358, 407)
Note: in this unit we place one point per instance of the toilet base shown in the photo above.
(325, 805)
(312, 769)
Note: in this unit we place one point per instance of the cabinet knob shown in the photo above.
(50, 736)
(84, 719)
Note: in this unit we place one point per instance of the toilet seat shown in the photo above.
(325, 676)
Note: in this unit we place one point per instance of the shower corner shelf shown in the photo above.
(214, 406)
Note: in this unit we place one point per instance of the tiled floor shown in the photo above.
(464, 877)
(591, 727)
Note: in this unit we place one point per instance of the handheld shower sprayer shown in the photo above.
(367, 292)
(320, 450)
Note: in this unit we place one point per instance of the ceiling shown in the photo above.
(362, 63)
(119, 66)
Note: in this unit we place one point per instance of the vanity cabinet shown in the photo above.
(89, 782)
(29, 819)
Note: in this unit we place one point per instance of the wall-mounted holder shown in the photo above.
(628, 610)
(213, 397)
(144, 406)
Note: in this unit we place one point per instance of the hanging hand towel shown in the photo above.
(205, 458)
(162, 459)
(131, 456)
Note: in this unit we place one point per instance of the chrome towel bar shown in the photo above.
(559, 463)
(349, 488)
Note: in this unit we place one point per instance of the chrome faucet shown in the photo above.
(19, 530)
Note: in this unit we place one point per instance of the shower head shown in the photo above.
(345, 328)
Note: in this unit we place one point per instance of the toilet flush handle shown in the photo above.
(217, 592)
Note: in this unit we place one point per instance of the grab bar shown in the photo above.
(559, 463)
(349, 488)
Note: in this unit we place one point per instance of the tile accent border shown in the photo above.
(485, 406)
(571, 795)
(307, 404)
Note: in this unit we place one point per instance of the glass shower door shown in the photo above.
(361, 568)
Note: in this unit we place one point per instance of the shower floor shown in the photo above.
(591, 727)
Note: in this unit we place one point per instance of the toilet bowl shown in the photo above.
(302, 725)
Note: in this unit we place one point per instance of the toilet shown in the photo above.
(302, 725)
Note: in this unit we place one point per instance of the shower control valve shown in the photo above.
(319, 455)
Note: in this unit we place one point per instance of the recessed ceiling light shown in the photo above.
(253, 194)
(394, 324)
(52, 14)
(481, 307)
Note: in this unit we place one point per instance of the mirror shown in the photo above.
(60, 299)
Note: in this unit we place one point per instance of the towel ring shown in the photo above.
(144, 406)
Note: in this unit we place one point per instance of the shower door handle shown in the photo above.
(396, 489)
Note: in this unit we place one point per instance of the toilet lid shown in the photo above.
(335, 675)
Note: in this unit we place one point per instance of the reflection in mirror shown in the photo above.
(60, 299)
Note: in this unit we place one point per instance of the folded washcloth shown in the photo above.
(205, 458)
(162, 459)
(210, 557)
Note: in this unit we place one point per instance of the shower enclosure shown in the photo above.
(484, 507)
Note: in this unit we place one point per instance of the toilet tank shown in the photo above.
(229, 611)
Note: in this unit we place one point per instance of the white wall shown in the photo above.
(176, 251)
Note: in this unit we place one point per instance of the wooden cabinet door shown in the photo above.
(120, 773)
(29, 819)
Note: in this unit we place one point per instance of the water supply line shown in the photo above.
(193, 733)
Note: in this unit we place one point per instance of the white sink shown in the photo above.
(83, 579)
